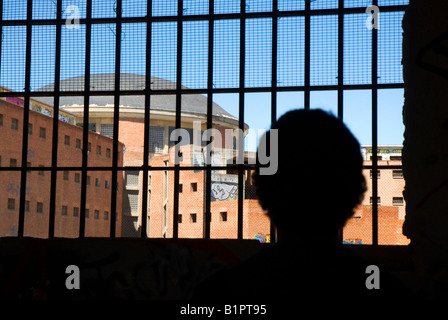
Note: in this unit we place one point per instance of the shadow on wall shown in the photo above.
(155, 269)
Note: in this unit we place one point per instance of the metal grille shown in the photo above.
(242, 61)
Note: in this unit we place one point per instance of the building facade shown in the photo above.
(68, 183)
(391, 204)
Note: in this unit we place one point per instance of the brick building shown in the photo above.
(223, 206)
(192, 197)
(162, 122)
(68, 188)
(391, 204)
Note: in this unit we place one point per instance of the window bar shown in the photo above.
(341, 60)
(374, 133)
(85, 142)
(26, 109)
(113, 205)
(307, 53)
(241, 120)
(341, 71)
(274, 83)
(208, 177)
(54, 155)
(180, 6)
(144, 233)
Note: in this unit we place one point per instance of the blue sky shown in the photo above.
(357, 59)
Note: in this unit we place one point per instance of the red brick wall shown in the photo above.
(359, 228)
(255, 222)
(38, 186)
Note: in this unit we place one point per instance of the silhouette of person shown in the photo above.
(318, 185)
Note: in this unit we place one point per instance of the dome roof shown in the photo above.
(191, 103)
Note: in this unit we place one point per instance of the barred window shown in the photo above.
(156, 139)
(107, 130)
(172, 66)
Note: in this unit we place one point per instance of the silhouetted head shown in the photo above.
(319, 181)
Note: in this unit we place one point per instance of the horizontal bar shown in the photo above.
(203, 91)
(224, 16)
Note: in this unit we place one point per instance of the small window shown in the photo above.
(14, 124)
(108, 153)
(65, 175)
(30, 128)
(97, 182)
(64, 210)
(98, 150)
(87, 213)
(397, 201)
(88, 180)
(11, 204)
(107, 184)
(77, 177)
(179, 218)
(378, 200)
(180, 187)
(107, 130)
(1, 120)
(67, 140)
(106, 215)
(194, 186)
(40, 207)
(96, 214)
(89, 147)
(78, 144)
(42, 132)
(27, 206)
(75, 212)
(193, 217)
(132, 178)
(396, 158)
(397, 174)
(13, 163)
(223, 216)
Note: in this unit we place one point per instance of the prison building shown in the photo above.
(192, 202)
(131, 132)
(390, 199)
(69, 179)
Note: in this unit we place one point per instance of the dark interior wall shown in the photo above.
(425, 153)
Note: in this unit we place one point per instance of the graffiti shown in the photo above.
(223, 191)
(263, 238)
(352, 241)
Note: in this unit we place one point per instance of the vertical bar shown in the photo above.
(85, 141)
(307, 53)
(341, 73)
(54, 154)
(113, 204)
(26, 109)
(241, 120)
(178, 115)
(144, 233)
(375, 134)
(341, 60)
(208, 213)
(274, 83)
